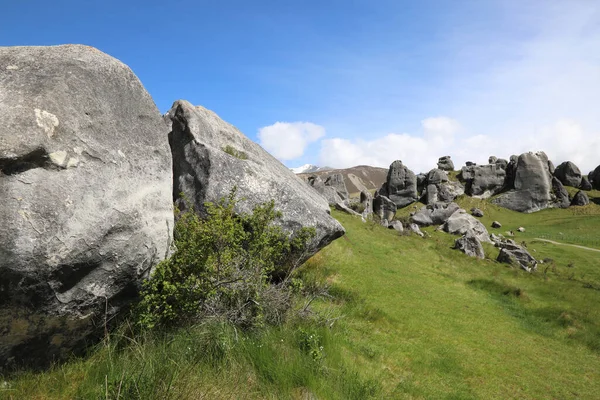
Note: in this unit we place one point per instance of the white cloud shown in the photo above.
(288, 140)
(440, 126)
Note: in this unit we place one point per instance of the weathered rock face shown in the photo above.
(211, 157)
(532, 186)
(580, 199)
(366, 199)
(330, 192)
(384, 208)
(435, 214)
(445, 163)
(512, 253)
(337, 181)
(560, 193)
(460, 222)
(483, 180)
(594, 178)
(401, 185)
(568, 174)
(86, 197)
(470, 245)
(439, 189)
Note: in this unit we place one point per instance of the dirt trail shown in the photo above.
(567, 244)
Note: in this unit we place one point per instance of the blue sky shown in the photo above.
(357, 82)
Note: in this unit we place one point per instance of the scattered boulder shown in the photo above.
(532, 187)
(585, 184)
(87, 205)
(521, 229)
(594, 178)
(445, 163)
(496, 224)
(384, 222)
(384, 208)
(460, 222)
(513, 254)
(476, 212)
(397, 225)
(414, 228)
(580, 199)
(401, 185)
(435, 214)
(211, 157)
(568, 174)
(470, 245)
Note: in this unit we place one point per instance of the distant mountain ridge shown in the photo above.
(361, 175)
(309, 168)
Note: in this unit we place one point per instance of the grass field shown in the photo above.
(407, 318)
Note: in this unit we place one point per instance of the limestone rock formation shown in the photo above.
(86, 197)
(594, 178)
(445, 163)
(401, 185)
(461, 222)
(585, 184)
(561, 196)
(435, 214)
(512, 253)
(397, 225)
(483, 180)
(337, 182)
(470, 245)
(580, 199)
(438, 188)
(568, 174)
(476, 212)
(531, 189)
(384, 208)
(211, 157)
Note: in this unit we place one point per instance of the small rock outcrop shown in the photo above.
(211, 157)
(401, 185)
(438, 188)
(530, 182)
(397, 225)
(496, 224)
(86, 197)
(445, 163)
(585, 184)
(580, 199)
(384, 208)
(414, 228)
(476, 212)
(435, 214)
(513, 254)
(568, 174)
(470, 245)
(462, 222)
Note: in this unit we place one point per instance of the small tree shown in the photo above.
(223, 266)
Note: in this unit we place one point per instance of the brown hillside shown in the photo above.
(371, 177)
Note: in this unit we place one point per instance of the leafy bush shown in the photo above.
(224, 266)
(232, 151)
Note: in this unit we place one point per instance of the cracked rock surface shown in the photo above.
(85, 184)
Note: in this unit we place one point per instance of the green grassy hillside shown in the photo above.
(407, 318)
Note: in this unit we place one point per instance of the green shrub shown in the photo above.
(232, 151)
(224, 267)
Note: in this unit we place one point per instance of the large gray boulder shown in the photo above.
(401, 185)
(435, 214)
(561, 195)
(461, 222)
(531, 186)
(439, 189)
(211, 157)
(568, 174)
(86, 197)
(594, 178)
(585, 184)
(384, 208)
(445, 163)
(483, 181)
(513, 254)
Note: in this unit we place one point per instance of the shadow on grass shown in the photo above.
(547, 321)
